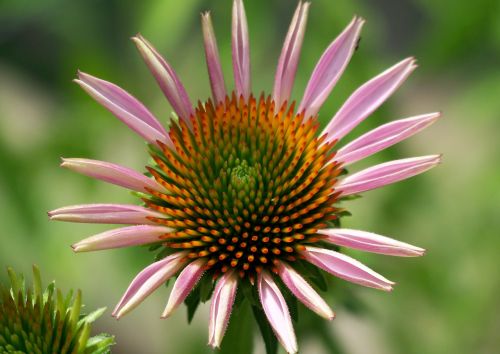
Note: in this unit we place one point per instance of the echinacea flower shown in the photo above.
(39, 321)
(244, 190)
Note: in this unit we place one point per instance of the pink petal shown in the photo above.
(290, 54)
(383, 137)
(346, 268)
(213, 60)
(241, 50)
(105, 214)
(276, 311)
(367, 99)
(112, 173)
(304, 292)
(185, 282)
(147, 281)
(167, 79)
(370, 242)
(125, 107)
(221, 307)
(386, 173)
(122, 237)
(330, 67)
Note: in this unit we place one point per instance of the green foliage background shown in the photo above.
(445, 302)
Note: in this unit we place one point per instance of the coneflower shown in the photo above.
(39, 321)
(244, 188)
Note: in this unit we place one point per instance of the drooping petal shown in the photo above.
(167, 79)
(125, 107)
(105, 214)
(386, 173)
(383, 137)
(367, 99)
(185, 282)
(122, 237)
(240, 50)
(304, 292)
(370, 242)
(213, 60)
(347, 268)
(221, 307)
(147, 281)
(330, 67)
(276, 311)
(290, 54)
(112, 173)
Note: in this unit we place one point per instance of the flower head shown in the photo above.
(33, 320)
(245, 188)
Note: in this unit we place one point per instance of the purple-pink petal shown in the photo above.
(125, 107)
(213, 61)
(386, 173)
(240, 50)
(366, 99)
(304, 292)
(185, 282)
(276, 311)
(290, 54)
(167, 79)
(345, 267)
(370, 242)
(330, 67)
(383, 137)
(221, 307)
(147, 281)
(122, 237)
(112, 173)
(105, 214)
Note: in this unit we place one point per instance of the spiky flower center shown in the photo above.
(249, 184)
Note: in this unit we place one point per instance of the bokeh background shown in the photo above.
(445, 302)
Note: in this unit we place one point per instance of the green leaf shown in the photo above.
(99, 344)
(239, 336)
(206, 285)
(313, 274)
(37, 282)
(270, 340)
(250, 293)
(91, 317)
(192, 302)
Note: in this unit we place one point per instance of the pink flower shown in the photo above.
(242, 188)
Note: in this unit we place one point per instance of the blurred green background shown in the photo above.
(445, 302)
